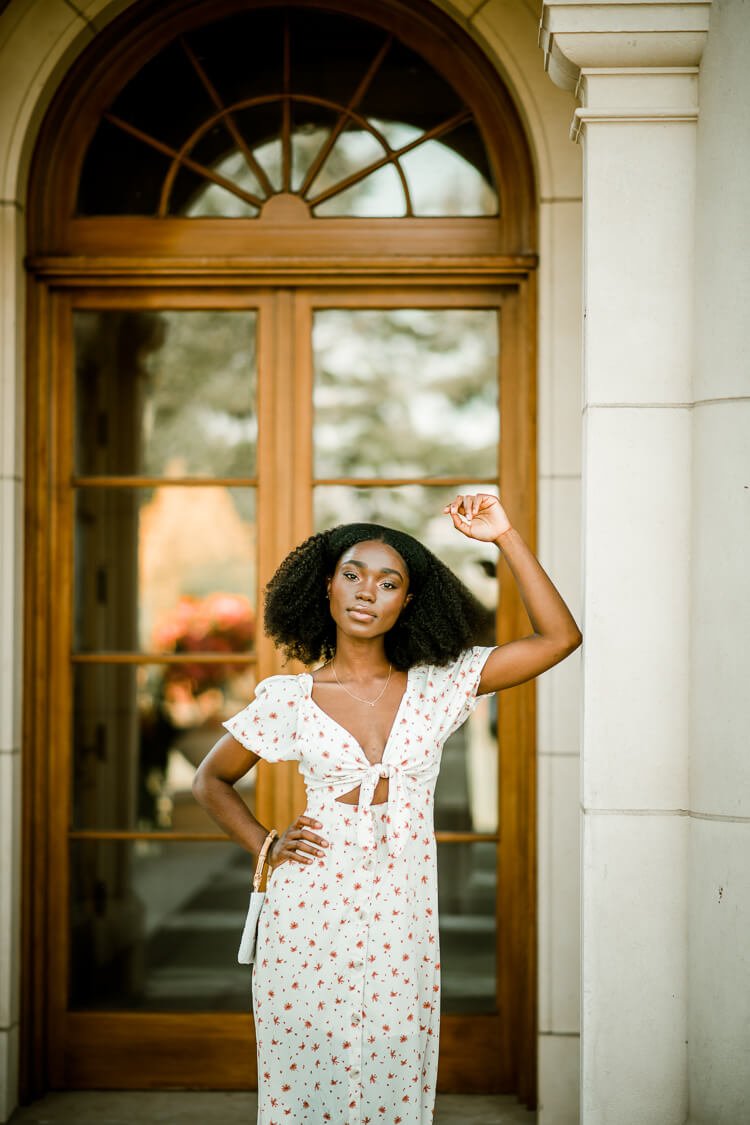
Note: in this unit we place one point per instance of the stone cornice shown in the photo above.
(657, 116)
(576, 35)
(628, 95)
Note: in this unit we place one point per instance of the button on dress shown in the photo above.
(346, 981)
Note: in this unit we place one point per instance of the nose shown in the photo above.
(365, 593)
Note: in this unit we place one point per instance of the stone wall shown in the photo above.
(719, 892)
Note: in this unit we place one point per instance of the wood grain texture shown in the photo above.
(285, 482)
(283, 267)
(129, 1051)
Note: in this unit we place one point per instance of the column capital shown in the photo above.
(581, 35)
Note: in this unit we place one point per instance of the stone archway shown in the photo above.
(39, 48)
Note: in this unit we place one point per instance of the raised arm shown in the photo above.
(555, 635)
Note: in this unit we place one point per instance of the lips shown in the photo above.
(360, 614)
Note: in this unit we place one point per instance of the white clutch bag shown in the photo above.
(246, 954)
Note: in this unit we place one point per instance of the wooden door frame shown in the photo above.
(116, 257)
(227, 1039)
(514, 1032)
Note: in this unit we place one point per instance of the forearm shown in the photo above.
(222, 802)
(549, 615)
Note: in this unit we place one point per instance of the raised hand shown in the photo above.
(480, 516)
(298, 843)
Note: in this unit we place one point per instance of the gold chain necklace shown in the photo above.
(370, 703)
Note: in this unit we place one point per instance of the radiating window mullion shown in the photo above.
(286, 139)
(344, 116)
(229, 121)
(167, 150)
(206, 111)
(392, 156)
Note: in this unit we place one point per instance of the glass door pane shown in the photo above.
(406, 392)
(165, 568)
(405, 415)
(167, 393)
(155, 925)
(165, 585)
(139, 733)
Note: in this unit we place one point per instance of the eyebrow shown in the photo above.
(363, 566)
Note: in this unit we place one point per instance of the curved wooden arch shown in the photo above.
(139, 34)
(391, 156)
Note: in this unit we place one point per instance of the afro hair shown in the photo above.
(442, 619)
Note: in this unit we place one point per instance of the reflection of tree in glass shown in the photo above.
(200, 399)
(175, 386)
(400, 393)
(406, 392)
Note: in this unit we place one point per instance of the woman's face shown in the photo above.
(368, 589)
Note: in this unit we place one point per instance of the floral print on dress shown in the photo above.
(346, 982)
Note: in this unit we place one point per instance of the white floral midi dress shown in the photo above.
(346, 981)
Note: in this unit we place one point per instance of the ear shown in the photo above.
(407, 599)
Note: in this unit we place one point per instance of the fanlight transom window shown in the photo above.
(294, 102)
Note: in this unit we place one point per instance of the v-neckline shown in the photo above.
(346, 730)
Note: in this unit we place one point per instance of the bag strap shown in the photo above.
(272, 835)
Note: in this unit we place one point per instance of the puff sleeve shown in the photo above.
(454, 689)
(268, 725)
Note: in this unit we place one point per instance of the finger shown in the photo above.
(308, 820)
(463, 511)
(304, 834)
(309, 844)
(309, 849)
(460, 521)
(298, 856)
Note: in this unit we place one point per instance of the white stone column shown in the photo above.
(635, 69)
(719, 972)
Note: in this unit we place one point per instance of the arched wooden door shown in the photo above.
(281, 266)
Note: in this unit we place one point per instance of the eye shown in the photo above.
(349, 574)
(389, 585)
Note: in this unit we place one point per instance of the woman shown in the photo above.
(346, 982)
